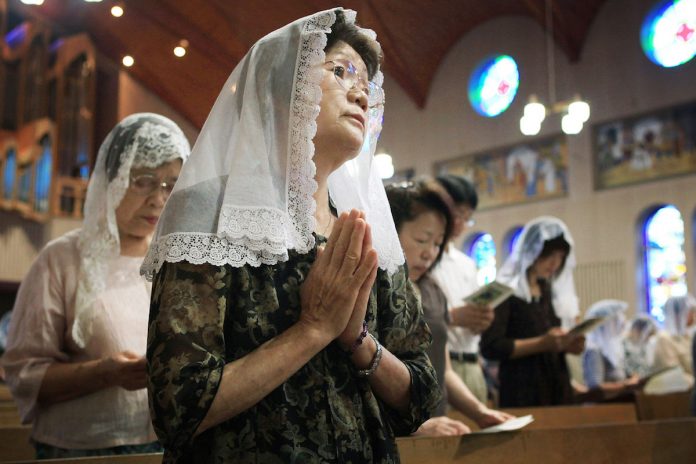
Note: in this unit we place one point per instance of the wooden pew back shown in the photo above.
(671, 405)
(654, 442)
(14, 444)
(568, 416)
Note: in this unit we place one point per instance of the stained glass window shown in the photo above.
(510, 239)
(493, 85)
(43, 176)
(668, 34)
(8, 176)
(664, 258)
(482, 250)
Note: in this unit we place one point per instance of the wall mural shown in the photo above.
(643, 148)
(530, 171)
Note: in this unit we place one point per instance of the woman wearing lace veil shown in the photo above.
(527, 335)
(268, 342)
(639, 345)
(673, 343)
(604, 365)
(75, 356)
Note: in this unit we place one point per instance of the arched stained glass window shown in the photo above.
(24, 184)
(493, 85)
(510, 239)
(668, 34)
(44, 168)
(664, 258)
(481, 248)
(8, 175)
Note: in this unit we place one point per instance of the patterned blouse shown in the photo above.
(204, 316)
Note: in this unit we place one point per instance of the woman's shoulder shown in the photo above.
(63, 249)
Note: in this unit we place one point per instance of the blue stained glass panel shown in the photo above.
(493, 85)
(482, 250)
(665, 260)
(8, 175)
(668, 34)
(44, 167)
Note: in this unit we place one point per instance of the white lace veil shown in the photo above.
(527, 249)
(677, 312)
(140, 140)
(246, 195)
(608, 337)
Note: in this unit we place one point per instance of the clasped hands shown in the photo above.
(335, 294)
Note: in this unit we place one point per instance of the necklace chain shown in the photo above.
(328, 224)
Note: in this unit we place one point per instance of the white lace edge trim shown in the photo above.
(261, 245)
(201, 248)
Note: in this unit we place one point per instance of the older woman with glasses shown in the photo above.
(269, 342)
(75, 355)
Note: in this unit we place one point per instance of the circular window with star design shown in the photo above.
(668, 35)
(493, 85)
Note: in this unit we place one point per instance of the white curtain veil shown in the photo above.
(140, 140)
(608, 337)
(526, 250)
(246, 195)
(677, 312)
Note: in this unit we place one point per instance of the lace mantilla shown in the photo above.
(156, 144)
(256, 236)
(153, 144)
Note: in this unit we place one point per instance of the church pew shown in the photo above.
(9, 416)
(654, 442)
(5, 394)
(567, 416)
(671, 405)
(14, 444)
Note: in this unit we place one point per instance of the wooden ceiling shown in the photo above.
(415, 35)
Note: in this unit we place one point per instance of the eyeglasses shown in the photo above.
(348, 77)
(146, 184)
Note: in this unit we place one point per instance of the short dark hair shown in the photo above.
(460, 189)
(408, 200)
(555, 244)
(350, 33)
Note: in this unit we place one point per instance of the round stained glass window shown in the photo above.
(493, 85)
(668, 35)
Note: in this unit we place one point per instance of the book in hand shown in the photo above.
(491, 294)
(509, 425)
(588, 325)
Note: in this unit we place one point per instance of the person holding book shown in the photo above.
(424, 221)
(528, 335)
(604, 359)
(455, 274)
(639, 345)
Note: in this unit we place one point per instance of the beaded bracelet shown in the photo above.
(358, 341)
(375, 361)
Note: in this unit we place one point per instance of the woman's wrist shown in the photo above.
(362, 357)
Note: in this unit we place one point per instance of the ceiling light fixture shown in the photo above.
(577, 111)
(33, 2)
(117, 10)
(180, 50)
(128, 61)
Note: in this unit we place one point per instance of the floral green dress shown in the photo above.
(204, 316)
